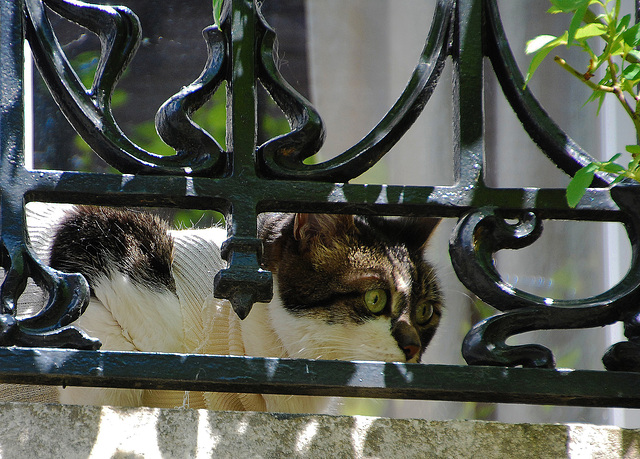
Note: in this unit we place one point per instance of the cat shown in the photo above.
(345, 287)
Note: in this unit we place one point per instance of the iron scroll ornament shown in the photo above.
(68, 298)
(482, 233)
(197, 153)
(283, 157)
(89, 109)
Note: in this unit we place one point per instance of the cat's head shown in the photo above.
(352, 287)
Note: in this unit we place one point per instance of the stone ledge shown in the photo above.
(40, 430)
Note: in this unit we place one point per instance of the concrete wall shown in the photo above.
(37, 430)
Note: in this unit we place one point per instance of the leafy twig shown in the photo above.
(584, 77)
(622, 75)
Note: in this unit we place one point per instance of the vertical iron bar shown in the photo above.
(11, 114)
(11, 150)
(242, 118)
(11, 90)
(468, 94)
(243, 282)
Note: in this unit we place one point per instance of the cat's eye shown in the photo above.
(424, 313)
(375, 300)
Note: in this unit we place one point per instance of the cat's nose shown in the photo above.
(407, 338)
(410, 351)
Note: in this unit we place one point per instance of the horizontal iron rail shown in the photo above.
(301, 196)
(317, 377)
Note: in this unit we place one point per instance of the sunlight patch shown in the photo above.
(306, 436)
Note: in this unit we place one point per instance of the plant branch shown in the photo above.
(582, 77)
(620, 95)
(615, 89)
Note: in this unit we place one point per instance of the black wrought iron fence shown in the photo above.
(246, 179)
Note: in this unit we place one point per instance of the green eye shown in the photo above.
(375, 300)
(424, 313)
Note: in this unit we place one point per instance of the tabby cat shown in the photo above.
(345, 287)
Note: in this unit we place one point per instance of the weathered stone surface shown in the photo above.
(39, 430)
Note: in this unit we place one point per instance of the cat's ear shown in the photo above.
(323, 226)
(419, 230)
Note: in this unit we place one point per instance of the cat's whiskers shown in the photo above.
(464, 293)
(364, 350)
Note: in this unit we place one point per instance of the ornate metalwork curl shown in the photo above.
(477, 237)
(283, 156)
(89, 110)
(173, 119)
(68, 298)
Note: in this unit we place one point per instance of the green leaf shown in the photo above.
(606, 80)
(613, 168)
(536, 44)
(579, 183)
(633, 149)
(627, 85)
(624, 23)
(589, 31)
(634, 54)
(576, 20)
(635, 158)
(600, 102)
(631, 72)
(596, 95)
(217, 11)
(617, 45)
(542, 46)
(632, 36)
(569, 5)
